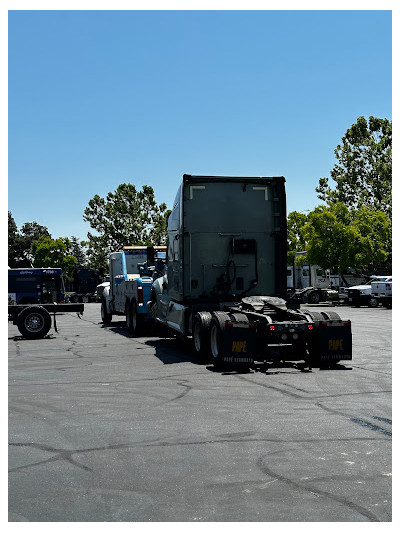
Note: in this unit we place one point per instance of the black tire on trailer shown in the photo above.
(34, 322)
(388, 304)
(217, 330)
(106, 317)
(201, 334)
(373, 302)
(313, 298)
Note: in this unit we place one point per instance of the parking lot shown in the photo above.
(104, 426)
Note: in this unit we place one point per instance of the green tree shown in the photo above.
(97, 252)
(19, 242)
(76, 249)
(363, 173)
(125, 217)
(30, 232)
(339, 238)
(160, 230)
(48, 252)
(15, 257)
(295, 234)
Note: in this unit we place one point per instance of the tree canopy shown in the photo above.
(76, 249)
(125, 217)
(295, 230)
(363, 173)
(48, 252)
(20, 242)
(339, 238)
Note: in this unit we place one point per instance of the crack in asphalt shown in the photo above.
(301, 486)
(66, 455)
(355, 420)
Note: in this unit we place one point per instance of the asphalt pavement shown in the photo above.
(108, 427)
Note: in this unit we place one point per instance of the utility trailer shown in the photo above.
(34, 321)
(225, 282)
(131, 278)
(33, 294)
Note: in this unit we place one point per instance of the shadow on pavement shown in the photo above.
(172, 350)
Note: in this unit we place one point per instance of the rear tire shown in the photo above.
(136, 320)
(34, 322)
(201, 334)
(330, 315)
(315, 316)
(217, 330)
(106, 317)
(313, 298)
(374, 302)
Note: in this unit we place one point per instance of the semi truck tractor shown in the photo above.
(131, 278)
(225, 282)
(311, 283)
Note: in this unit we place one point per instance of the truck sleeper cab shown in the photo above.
(226, 277)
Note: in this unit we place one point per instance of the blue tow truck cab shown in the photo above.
(132, 272)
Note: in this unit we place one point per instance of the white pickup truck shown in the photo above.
(382, 291)
(362, 294)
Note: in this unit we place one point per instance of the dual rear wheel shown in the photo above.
(208, 334)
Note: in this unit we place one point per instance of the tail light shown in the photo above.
(310, 326)
(140, 295)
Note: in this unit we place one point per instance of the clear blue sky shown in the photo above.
(99, 98)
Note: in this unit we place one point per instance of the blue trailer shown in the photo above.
(132, 272)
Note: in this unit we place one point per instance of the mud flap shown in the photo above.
(331, 344)
(239, 344)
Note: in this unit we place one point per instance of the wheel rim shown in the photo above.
(196, 336)
(34, 322)
(214, 341)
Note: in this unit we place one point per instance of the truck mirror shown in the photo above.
(150, 256)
